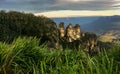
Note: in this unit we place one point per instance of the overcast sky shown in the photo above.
(41, 6)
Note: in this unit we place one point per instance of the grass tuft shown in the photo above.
(25, 56)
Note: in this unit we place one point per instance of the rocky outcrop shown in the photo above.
(71, 37)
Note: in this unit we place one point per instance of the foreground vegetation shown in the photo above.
(25, 56)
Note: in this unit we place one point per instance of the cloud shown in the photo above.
(51, 5)
(76, 13)
(26, 5)
(84, 5)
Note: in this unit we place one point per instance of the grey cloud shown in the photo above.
(47, 5)
(26, 5)
(85, 5)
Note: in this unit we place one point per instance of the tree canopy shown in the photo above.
(14, 24)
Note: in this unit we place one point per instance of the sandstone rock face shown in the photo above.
(70, 33)
(77, 31)
(61, 30)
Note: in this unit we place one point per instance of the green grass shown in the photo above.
(25, 56)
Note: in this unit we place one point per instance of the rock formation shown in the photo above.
(72, 37)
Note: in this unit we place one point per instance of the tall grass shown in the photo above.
(25, 56)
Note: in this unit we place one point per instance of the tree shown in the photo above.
(14, 24)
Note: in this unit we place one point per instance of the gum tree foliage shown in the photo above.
(14, 24)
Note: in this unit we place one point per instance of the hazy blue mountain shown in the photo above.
(75, 20)
(99, 25)
(104, 25)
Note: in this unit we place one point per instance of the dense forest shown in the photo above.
(14, 24)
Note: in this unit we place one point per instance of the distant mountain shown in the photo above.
(75, 20)
(104, 25)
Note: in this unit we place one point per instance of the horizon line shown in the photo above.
(77, 13)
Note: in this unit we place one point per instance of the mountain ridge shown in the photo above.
(101, 25)
(105, 25)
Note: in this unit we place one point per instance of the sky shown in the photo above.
(64, 8)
